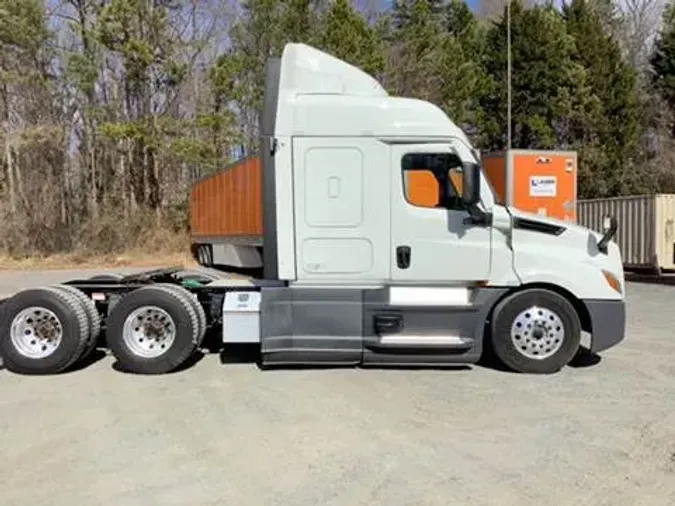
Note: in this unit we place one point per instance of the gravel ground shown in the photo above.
(598, 433)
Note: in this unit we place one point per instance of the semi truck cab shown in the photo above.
(382, 244)
(388, 246)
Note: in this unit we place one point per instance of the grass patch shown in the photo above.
(77, 260)
(111, 241)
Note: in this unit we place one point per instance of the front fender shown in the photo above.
(581, 280)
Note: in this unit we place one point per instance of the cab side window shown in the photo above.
(433, 180)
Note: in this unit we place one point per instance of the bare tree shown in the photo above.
(640, 22)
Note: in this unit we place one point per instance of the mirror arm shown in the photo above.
(609, 234)
(478, 217)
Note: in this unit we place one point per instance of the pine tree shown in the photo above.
(262, 31)
(300, 20)
(663, 61)
(459, 21)
(659, 108)
(345, 34)
(405, 11)
(609, 136)
(463, 78)
(548, 86)
(240, 71)
(416, 42)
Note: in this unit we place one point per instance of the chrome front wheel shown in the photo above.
(537, 332)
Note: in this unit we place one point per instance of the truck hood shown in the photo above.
(570, 228)
(550, 250)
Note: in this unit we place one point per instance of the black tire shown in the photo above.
(205, 255)
(201, 255)
(504, 317)
(184, 319)
(199, 310)
(93, 316)
(75, 331)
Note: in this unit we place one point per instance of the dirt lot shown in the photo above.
(599, 433)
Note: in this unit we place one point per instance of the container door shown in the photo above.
(544, 183)
(431, 239)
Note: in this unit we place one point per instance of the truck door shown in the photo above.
(432, 239)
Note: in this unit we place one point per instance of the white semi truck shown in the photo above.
(382, 245)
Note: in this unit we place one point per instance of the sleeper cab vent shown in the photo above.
(537, 226)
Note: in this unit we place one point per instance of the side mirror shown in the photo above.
(470, 184)
(609, 228)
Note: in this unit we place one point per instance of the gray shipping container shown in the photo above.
(645, 227)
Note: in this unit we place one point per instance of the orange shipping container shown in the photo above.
(536, 181)
(228, 203)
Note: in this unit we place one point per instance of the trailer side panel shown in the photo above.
(228, 203)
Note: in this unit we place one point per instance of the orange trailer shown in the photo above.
(226, 216)
(536, 181)
(228, 203)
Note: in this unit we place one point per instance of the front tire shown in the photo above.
(535, 331)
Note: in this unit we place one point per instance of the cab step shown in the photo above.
(408, 342)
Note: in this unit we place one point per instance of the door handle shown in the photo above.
(403, 257)
(388, 324)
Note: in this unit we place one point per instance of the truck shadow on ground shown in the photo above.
(584, 358)
(196, 357)
(96, 356)
(249, 354)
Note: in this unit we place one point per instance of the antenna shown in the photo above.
(508, 74)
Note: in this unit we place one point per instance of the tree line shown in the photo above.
(110, 109)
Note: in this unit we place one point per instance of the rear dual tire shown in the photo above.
(93, 317)
(155, 329)
(196, 305)
(43, 331)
